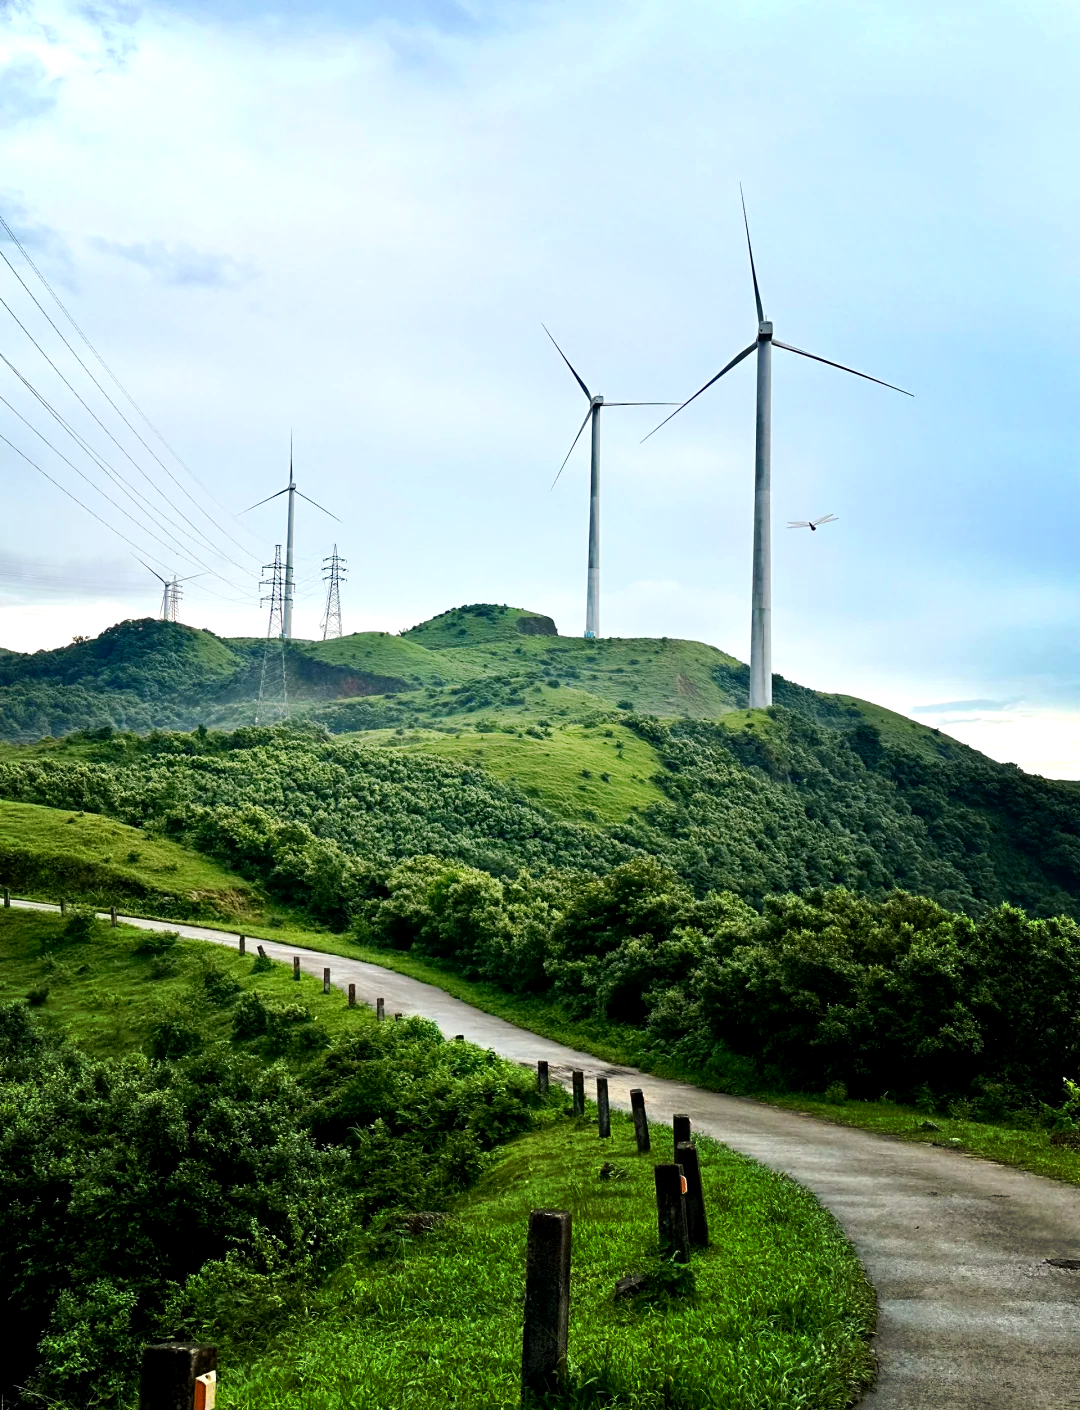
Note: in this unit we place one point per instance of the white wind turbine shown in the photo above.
(761, 592)
(592, 596)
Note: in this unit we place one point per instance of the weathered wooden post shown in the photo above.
(697, 1225)
(397, 1018)
(641, 1121)
(603, 1107)
(577, 1077)
(296, 968)
(326, 981)
(680, 1128)
(63, 906)
(112, 915)
(380, 1009)
(178, 1375)
(543, 1081)
(7, 898)
(352, 996)
(671, 1212)
(262, 952)
(243, 945)
(459, 1037)
(547, 1302)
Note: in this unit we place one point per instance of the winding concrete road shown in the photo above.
(971, 1314)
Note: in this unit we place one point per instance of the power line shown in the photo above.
(116, 381)
(122, 449)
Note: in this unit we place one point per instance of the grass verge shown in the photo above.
(780, 1315)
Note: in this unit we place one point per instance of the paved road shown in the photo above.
(971, 1315)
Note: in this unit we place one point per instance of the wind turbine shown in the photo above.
(761, 592)
(592, 596)
(170, 598)
(291, 490)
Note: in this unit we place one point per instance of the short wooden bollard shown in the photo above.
(680, 1129)
(262, 952)
(243, 945)
(63, 906)
(547, 1302)
(7, 898)
(173, 1374)
(397, 1018)
(326, 981)
(352, 996)
(671, 1212)
(577, 1077)
(641, 1121)
(296, 968)
(459, 1037)
(603, 1107)
(380, 1009)
(697, 1225)
(112, 915)
(543, 1081)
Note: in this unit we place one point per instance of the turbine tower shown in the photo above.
(332, 576)
(272, 705)
(290, 577)
(761, 591)
(592, 595)
(171, 594)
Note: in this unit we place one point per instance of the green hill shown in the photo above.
(483, 736)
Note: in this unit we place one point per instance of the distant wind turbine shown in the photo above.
(170, 598)
(291, 490)
(811, 524)
(592, 597)
(761, 595)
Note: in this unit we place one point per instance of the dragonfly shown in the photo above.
(812, 524)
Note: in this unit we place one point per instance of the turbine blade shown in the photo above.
(149, 569)
(570, 452)
(829, 363)
(267, 500)
(733, 363)
(641, 403)
(826, 519)
(753, 269)
(798, 523)
(565, 359)
(317, 506)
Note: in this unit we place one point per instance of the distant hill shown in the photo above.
(485, 735)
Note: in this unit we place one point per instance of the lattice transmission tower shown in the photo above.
(273, 703)
(334, 570)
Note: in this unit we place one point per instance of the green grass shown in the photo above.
(780, 1316)
(106, 995)
(48, 853)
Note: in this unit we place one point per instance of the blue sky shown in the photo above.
(350, 220)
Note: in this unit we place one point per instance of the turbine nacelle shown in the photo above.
(764, 331)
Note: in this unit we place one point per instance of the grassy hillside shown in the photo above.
(52, 853)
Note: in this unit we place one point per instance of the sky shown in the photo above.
(347, 223)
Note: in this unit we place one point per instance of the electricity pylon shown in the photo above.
(334, 570)
(170, 597)
(273, 703)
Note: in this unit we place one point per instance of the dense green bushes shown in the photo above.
(207, 1189)
(897, 996)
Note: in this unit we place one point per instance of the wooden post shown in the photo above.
(459, 1037)
(578, 1079)
(63, 906)
(641, 1121)
(397, 1018)
(326, 981)
(671, 1212)
(380, 1009)
(243, 946)
(547, 1302)
(170, 1373)
(262, 952)
(352, 996)
(7, 898)
(112, 915)
(603, 1107)
(296, 968)
(543, 1082)
(697, 1225)
(680, 1128)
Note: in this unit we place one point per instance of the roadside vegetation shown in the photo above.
(196, 1145)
